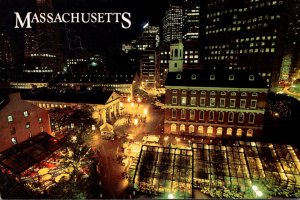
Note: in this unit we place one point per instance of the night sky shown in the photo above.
(94, 37)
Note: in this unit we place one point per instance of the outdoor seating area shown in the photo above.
(233, 168)
(241, 164)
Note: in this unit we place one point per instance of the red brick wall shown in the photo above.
(16, 108)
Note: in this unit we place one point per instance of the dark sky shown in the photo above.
(94, 37)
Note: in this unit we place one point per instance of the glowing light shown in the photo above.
(259, 193)
(132, 104)
(136, 122)
(254, 187)
(128, 99)
(178, 139)
(146, 25)
(166, 138)
(170, 196)
(139, 100)
(145, 111)
(121, 104)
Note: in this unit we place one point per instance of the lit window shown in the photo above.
(193, 101)
(14, 140)
(26, 114)
(222, 102)
(27, 125)
(10, 118)
(192, 115)
(40, 120)
(212, 102)
(183, 101)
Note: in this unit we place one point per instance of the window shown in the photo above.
(200, 129)
(241, 118)
(251, 118)
(222, 102)
(202, 101)
(243, 103)
(229, 131)
(219, 131)
(249, 133)
(183, 101)
(26, 114)
(182, 128)
(212, 102)
(14, 140)
(174, 91)
(174, 100)
(251, 78)
(211, 116)
(178, 77)
(203, 92)
(193, 101)
(192, 115)
(194, 77)
(183, 91)
(210, 131)
(183, 114)
(191, 129)
(253, 104)
(230, 117)
(193, 92)
(212, 77)
(174, 113)
(231, 77)
(221, 116)
(201, 115)
(212, 93)
(239, 132)
(10, 118)
(40, 120)
(232, 103)
(223, 93)
(233, 93)
(254, 94)
(27, 125)
(244, 94)
(173, 128)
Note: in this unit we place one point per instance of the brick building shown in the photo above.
(20, 121)
(228, 104)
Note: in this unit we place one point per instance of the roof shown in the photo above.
(226, 79)
(68, 96)
(24, 155)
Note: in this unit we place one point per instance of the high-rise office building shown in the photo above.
(247, 35)
(191, 19)
(146, 45)
(42, 52)
(6, 52)
(172, 24)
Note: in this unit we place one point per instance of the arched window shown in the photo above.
(178, 76)
(251, 78)
(219, 131)
(241, 118)
(173, 128)
(212, 77)
(176, 53)
(249, 133)
(239, 132)
(210, 131)
(211, 116)
(182, 128)
(200, 130)
(251, 118)
(191, 129)
(233, 93)
(193, 77)
(230, 117)
(229, 131)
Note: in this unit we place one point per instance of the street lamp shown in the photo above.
(135, 121)
(145, 111)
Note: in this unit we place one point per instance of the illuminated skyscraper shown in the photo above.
(172, 24)
(6, 53)
(191, 19)
(42, 51)
(247, 35)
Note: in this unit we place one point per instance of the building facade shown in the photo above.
(247, 35)
(172, 24)
(20, 120)
(214, 104)
(6, 50)
(191, 20)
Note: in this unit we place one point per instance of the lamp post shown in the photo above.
(257, 192)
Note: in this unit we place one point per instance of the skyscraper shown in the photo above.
(42, 51)
(6, 52)
(247, 34)
(172, 23)
(191, 19)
